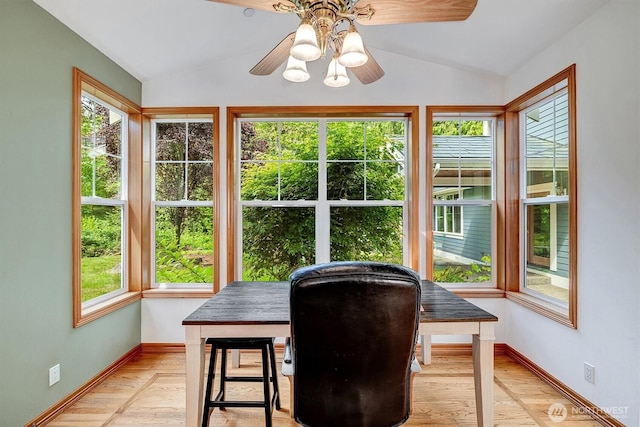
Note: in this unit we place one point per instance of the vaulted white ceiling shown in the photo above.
(154, 38)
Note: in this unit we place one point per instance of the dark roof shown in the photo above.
(479, 147)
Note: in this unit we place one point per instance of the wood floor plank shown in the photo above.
(150, 390)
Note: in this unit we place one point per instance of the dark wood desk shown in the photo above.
(261, 309)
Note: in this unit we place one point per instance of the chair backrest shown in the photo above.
(353, 332)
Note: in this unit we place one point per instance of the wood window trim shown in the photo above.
(409, 112)
(512, 167)
(84, 82)
(148, 114)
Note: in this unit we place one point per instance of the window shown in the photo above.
(545, 145)
(183, 218)
(102, 141)
(317, 189)
(545, 200)
(447, 219)
(183, 203)
(462, 188)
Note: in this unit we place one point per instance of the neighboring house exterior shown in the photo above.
(462, 171)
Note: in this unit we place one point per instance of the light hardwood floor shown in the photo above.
(150, 391)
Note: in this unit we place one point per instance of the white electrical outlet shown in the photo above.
(589, 373)
(54, 374)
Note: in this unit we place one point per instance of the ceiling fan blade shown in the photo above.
(403, 12)
(369, 72)
(275, 58)
(266, 5)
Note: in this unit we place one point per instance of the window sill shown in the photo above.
(177, 293)
(94, 312)
(476, 292)
(449, 235)
(543, 308)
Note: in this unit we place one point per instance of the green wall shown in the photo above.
(37, 54)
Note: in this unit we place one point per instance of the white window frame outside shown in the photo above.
(461, 202)
(173, 203)
(442, 201)
(122, 202)
(322, 206)
(525, 202)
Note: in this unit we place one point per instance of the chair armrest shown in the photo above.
(287, 351)
(415, 365)
(287, 359)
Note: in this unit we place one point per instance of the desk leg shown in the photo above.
(483, 373)
(235, 358)
(194, 345)
(425, 349)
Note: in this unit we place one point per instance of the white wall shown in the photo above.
(407, 81)
(606, 50)
(162, 318)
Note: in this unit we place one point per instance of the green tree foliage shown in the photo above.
(100, 177)
(475, 272)
(184, 234)
(100, 153)
(181, 143)
(101, 233)
(281, 163)
(455, 127)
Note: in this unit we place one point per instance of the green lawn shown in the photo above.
(100, 276)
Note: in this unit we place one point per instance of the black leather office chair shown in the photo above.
(353, 333)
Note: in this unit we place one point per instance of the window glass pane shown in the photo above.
(184, 166)
(345, 180)
(184, 244)
(200, 141)
(463, 158)
(547, 249)
(298, 181)
(462, 253)
(298, 140)
(438, 218)
(259, 181)
(101, 160)
(101, 253)
(366, 234)
(170, 180)
(345, 140)
(385, 140)
(200, 179)
(279, 161)
(171, 141)
(276, 241)
(385, 180)
(365, 160)
(547, 148)
(279, 181)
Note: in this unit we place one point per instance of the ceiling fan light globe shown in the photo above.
(336, 74)
(305, 45)
(353, 54)
(296, 71)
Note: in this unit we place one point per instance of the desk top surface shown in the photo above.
(247, 303)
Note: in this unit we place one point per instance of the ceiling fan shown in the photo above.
(322, 28)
